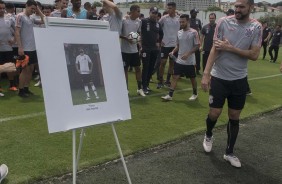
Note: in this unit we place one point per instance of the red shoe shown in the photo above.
(13, 88)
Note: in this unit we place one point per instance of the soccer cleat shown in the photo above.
(249, 93)
(1, 94)
(167, 98)
(13, 88)
(160, 85)
(38, 84)
(28, 92)
(232, 159)
(3, 172)
(146, 92)
(207, 143)
(167, 83)
(23, 95)
(140, 92)
(97, 97)
(87, 98)
(193, 97)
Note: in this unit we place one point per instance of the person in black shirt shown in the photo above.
(196, 24)
(150, 45)
(276, 39)
(207, 38)
(266, 34)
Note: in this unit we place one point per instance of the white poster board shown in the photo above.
(66, 103)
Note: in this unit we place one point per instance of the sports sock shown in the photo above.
(168, 77)
(210, 125)
(171, 91)
(232, 132)
(195, 91)
(139, 84)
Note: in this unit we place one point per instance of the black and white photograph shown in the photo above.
(85, 73)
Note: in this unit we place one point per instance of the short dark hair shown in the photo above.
(101, 11)
(30, 3)
(47, 7)
(134, 7)
(159, 15)
(10, 6)
(212, 14)
(251, 2)
(186, 16)
(1, 2)
(173, 4)
(165, 13)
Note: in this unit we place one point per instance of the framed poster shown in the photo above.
(82, 77)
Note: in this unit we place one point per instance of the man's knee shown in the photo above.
(214, 113)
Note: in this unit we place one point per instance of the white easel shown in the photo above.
(59, 22)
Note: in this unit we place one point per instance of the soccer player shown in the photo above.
(170, 26)
(276, 39)
(266, 35)
(26, 44)
(207, 38)
(187, 44)
(82, 63)
(113, 15)
(196, 24)
(7, 28)
(237, 39)
(150, 45)
(130, 54)
(61, 5)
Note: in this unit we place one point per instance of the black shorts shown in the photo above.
(32, 57)
(234, 91)
(6, 57)
(86, 78)
(131, 59)
(165, 51)
(187, 70)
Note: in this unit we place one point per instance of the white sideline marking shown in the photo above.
(133, 98)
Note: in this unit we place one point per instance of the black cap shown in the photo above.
(194, 11)
(154, 9)
(230, 12)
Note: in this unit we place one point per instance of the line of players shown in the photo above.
(162, 39)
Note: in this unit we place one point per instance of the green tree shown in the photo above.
(213, 8)
(97, 4)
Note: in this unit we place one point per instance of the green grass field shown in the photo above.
(33, 154)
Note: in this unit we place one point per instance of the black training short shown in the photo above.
(187, 70)
(234, 91)
(165, 52)
(6, 57)
(86, 78)
(131, 59)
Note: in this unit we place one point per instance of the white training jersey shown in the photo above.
(129, 26)
(83, 61)
(6, 34)
(228, 65)
(187, 40)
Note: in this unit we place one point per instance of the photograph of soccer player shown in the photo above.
(85, 73)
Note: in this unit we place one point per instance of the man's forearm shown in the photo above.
(251, 54)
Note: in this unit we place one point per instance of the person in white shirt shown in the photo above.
(84, 67)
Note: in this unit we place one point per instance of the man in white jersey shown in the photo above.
(113, 15)
(130, 54)
(26, 44)
(170, 26)
(237, 38)
(188, 43)
(84, 66)
(7, 29)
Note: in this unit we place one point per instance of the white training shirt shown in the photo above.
(83, 61)
(6, 33)
(187, 40)
(129, 26)
(170, 26)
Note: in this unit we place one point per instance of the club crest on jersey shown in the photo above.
(249, 32)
